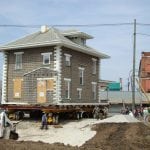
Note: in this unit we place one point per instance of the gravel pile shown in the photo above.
(119, 119)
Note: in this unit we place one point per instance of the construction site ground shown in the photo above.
(120, 132)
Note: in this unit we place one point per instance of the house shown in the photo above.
(144, 72)
(51, 67)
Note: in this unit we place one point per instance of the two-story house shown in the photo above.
(51, 67)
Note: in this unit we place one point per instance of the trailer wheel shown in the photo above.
(56, 119)
(13, 135)
(19, 115)
(78, 115)
(147, 119)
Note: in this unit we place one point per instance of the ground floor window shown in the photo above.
(67, 88)
(94, 85)
(79, 93)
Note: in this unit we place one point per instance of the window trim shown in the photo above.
(20, 63)
(82, 75)
(68, 80)
(67, 56)
(94, 65)
(80, 93)
(94, 86)
(44, 54)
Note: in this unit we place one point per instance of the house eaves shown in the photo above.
(50, 38)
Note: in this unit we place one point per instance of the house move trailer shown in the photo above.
(51, 70)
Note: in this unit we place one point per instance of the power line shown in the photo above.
(143, 24)
(66, 25)
(73, 25)
(143, 34)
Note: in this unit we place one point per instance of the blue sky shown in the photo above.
(117, 42)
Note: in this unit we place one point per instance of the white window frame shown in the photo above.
(79, 90)
(94, 90)
(45, 55)
(18, 64)
(68, 81)
(67, 59)
(94, 65)
(81, 75)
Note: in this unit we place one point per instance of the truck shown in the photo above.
(7, 127)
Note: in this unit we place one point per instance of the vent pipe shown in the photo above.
(44, 29)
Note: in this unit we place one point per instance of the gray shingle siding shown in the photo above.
(32, 60)
(79, 59)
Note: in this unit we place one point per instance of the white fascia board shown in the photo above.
(85, 50)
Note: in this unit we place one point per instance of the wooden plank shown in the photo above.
(41, 91)
(17, 88)
(50, 84)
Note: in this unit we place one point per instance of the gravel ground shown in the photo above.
(74, 133)
(109, 136)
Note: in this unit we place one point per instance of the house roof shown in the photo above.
(51, 37)
(74, 33)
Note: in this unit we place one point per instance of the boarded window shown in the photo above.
(41, 91)
(50, 85)
(17, 88)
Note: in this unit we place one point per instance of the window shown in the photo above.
(81, 75)
(17, 86)
(67, 88)
(18, 63)
(94, 85)
(94, 65)
(67, 59)
(46, 58)
(79, 93)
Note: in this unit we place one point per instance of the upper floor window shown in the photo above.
(94, 61)
(18, 62)
(81, 75)
(67, 59)
(46, 58)
(94, 85)
(67, 88)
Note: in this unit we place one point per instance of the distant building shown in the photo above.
(144, 71)
(103, 84)
(0, 91)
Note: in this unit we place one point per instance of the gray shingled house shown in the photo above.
(51, 67)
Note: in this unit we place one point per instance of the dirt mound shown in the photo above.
(110, 136)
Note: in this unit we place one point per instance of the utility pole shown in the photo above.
(134, 62)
